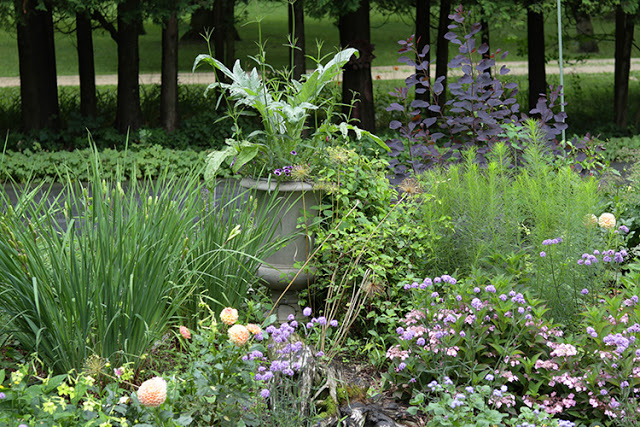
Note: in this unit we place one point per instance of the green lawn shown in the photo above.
(385, 31)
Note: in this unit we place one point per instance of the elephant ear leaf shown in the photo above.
(214, 161)
(245, 153)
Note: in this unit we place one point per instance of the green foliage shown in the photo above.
(148, 162)
(370, 239)
(107, 281)
(501, 209)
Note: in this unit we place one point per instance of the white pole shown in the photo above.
(561, 61)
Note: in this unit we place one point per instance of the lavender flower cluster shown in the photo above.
(289, 356)
(607, 257)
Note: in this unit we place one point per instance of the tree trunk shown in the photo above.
(202, 20)
(535, 45)
(584, 29)
(354, 28)
(297, 54)
(229, 8)
(86, 66)
(485, 39)
(128, 114)
(442, 48)
(37, 59)
(423, 38)
(624, 44)
(169, 86)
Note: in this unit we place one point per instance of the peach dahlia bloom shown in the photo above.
(184, 331)
(253, 328)
(238, 334)
(153, 392)
(229, 316)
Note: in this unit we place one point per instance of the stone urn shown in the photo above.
(293, 200)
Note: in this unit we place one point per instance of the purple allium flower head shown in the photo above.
(489, 377)
(307, 311)
(291, 317)
(407, 286)
(469, 389)
(604, 392)
(309, 325)
(596, 252)
(322, 320)
(587, 262)
(333, 323)
(402, 366)
(512, 293)
(585, 291)
(543, 254)
(434, 295)
(462, 334)
(437, 280)
(420, 341)
(491, 289)
(592, 332)
(624, 229)
(503, 297)
(520, 310)
(265, 393)
(399, 330)
(624, 384)
(476, 290)
(476, 303)
(458, 297)
(294, 324)
(606, 258)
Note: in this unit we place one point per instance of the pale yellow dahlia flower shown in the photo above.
(607, 221)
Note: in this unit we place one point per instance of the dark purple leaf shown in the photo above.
(511, 85)
(475, 28)
(436, 136)
(429, 121)
(504, 54)
(504, 70)
(395, 107)
(437, 86)
(484, 48)
(452, 37)
(466, 69)
(424, 51)
(435, 108)
(395, 124)
(418, 103)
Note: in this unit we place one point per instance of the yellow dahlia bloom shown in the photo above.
(153, 392)
(184, 331)
(590, 220)
(253, 328)
(229, 316)
(607, 221)
(238, 334)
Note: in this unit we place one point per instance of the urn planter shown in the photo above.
(293, 200)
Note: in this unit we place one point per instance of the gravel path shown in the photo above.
(379, 73)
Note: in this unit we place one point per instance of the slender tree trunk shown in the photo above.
(229, 9)
(128, 114)
(297, 54)
(485, 39)
(202, 20)
(37, 59)
(535, 45)
(442, 48)
(423, 38)
(169, 86)
(584, 29)
(354, 28)
(624, 44)
(86, 66)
